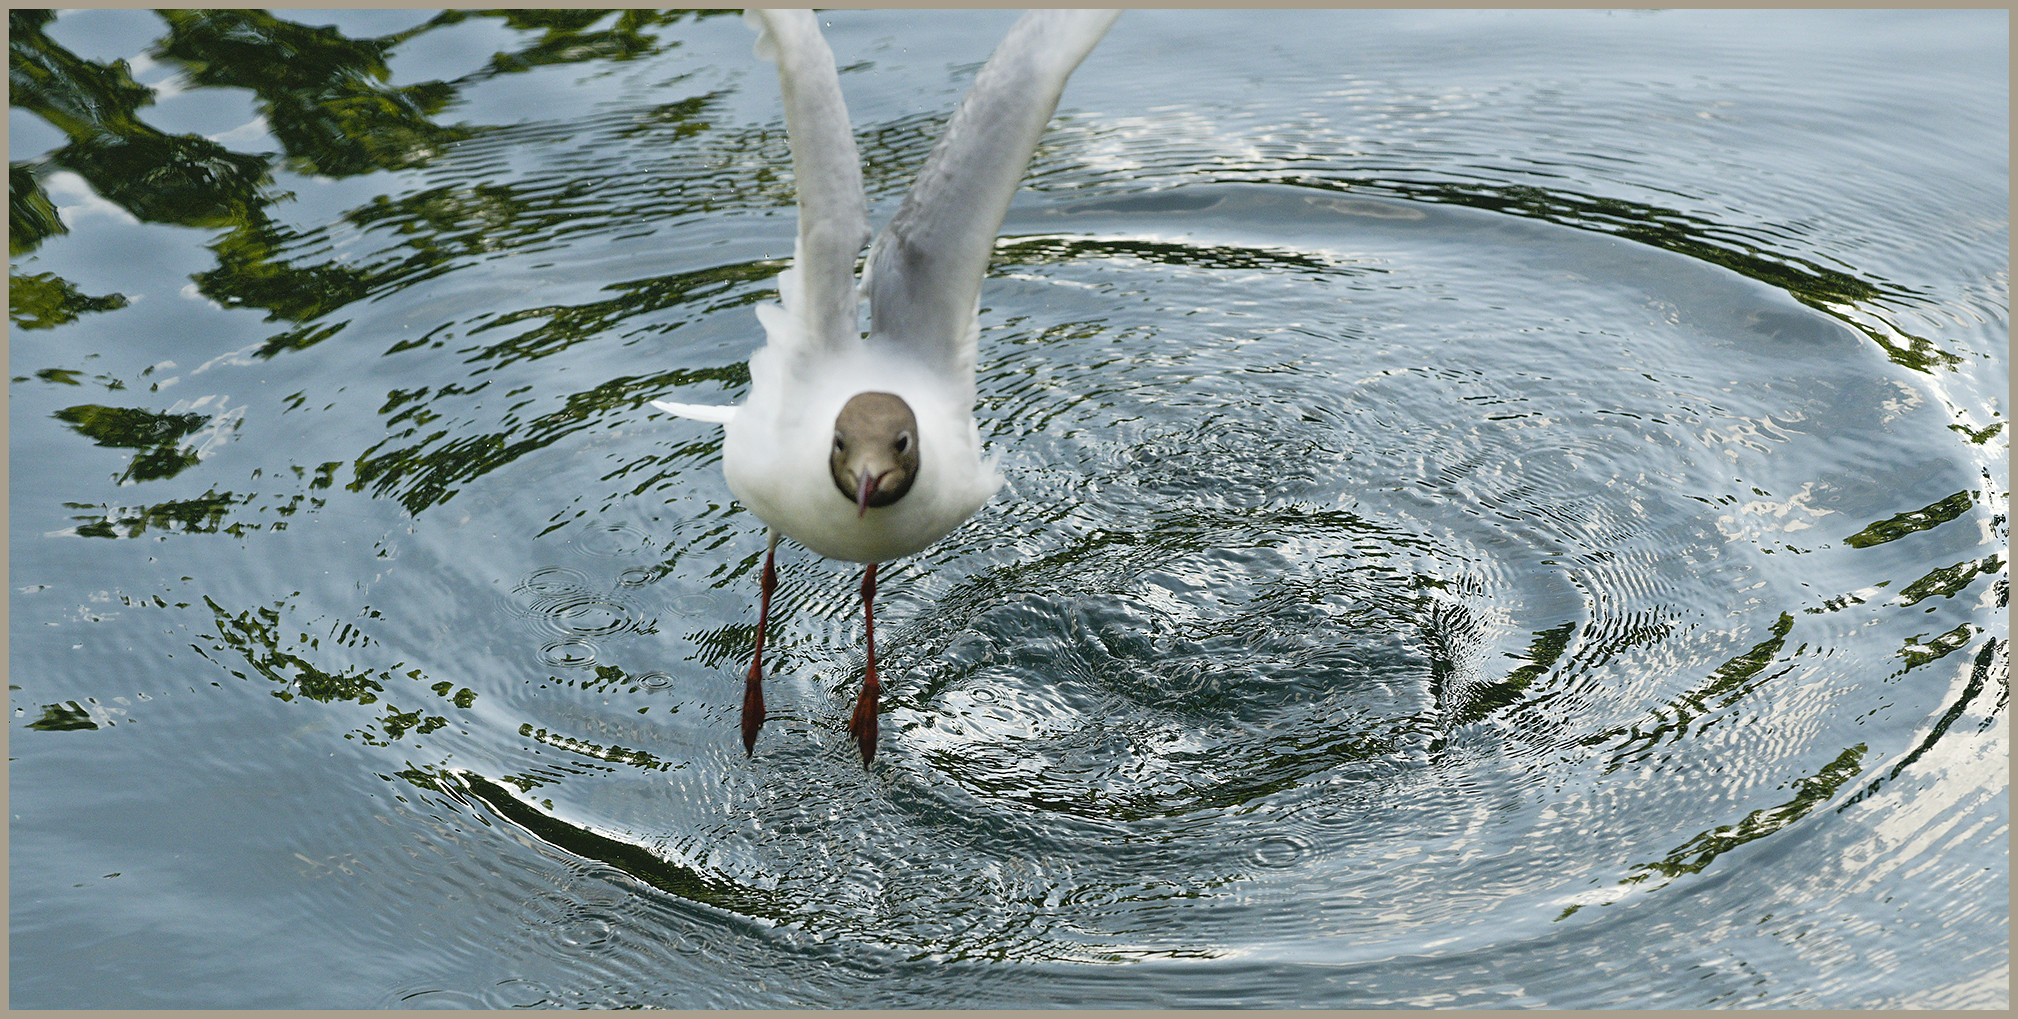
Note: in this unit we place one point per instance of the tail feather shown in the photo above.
(698, 411)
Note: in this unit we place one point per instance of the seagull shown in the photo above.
(864, 448)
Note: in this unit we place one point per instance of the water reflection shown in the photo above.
(1400, 561)
(44, 301)
(321, 95)
(324, 99)
(157, 177)
(31, 216)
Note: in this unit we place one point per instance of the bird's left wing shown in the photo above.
(925, 269)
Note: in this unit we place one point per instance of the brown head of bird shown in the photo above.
(875, 456)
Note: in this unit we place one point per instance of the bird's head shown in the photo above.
(875, 455)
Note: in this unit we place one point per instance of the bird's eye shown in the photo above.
(839, 444)
(903, 442)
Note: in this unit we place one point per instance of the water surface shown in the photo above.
(1504, 509)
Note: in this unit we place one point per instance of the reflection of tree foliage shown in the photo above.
(31, 216)
(1830, 291)
(1653, 225)
(72, 377)
(1992, 665)
(431, 470)
(157, 436)
(159, 178)
(182, 179)
(1066, 250)
(1738, 677)
(434, 470)
(201, 515)
(69, 716)
(1903, 524)
(78, 97)
(251, 272)
(204, 514)
(433, 230)
(45, 300)
(1978, 436)
(1950, 581)
(670, 876)
(566, 325)
(1918, 653)
(323, 96)
(256, 636)
(1724, 686)
(1809, 792)
(1545, 647)
(569, 38)
(614, 754)
(328, 101)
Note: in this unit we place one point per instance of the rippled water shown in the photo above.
(1503, 509)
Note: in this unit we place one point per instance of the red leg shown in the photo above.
(753, 684)
(863, 724)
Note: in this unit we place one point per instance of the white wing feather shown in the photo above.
(819, 289)
(924, 272)
(818, 293)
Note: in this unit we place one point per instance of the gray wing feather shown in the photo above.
(827, 171)
(925, 270)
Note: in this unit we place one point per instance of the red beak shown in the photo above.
(862, 494)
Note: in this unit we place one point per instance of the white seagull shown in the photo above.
(858, 447)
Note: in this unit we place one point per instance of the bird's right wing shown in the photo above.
(819, 290)
(924, 272)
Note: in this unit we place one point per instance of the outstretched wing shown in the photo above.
(924, 273)
(819, 290)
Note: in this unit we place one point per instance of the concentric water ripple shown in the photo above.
(1229, 654)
